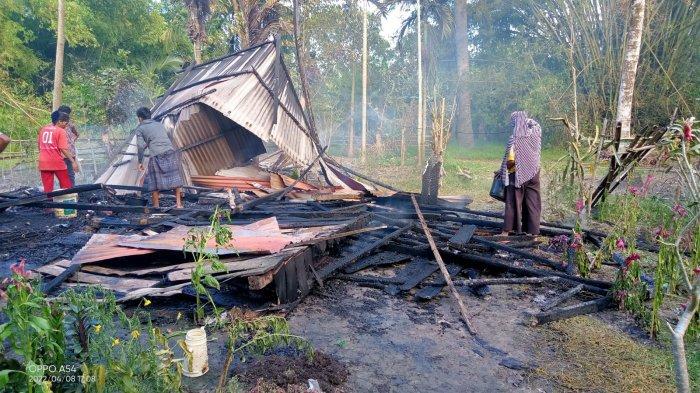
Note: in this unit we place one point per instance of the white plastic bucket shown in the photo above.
(196, 342)
(63, 212)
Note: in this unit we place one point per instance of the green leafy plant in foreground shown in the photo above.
(121, 353)
(257, 336)
(198, 243)
(34, 333)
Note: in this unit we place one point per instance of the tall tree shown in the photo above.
(365, 55)
(351, 122)
(198, 12)
(251, 22)
(463, 117)
(60, 45)
(628, 72)
(421, 130)
(299, 46)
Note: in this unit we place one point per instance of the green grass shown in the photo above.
(586, 354)
(479, 162)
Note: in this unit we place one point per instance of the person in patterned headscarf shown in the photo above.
(520, 172)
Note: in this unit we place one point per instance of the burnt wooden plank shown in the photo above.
(464, 235)
(347, 260)
(483, 262)
(379, 259)
(434, 288)
(516, 251)
(43, 197)
(115, 284)
(303, 267)
(281, 286)
(292, 281)
(360, 278)
(426, 268)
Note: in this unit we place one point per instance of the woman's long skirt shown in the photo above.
(523, 206)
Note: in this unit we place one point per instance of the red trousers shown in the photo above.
(47, 179)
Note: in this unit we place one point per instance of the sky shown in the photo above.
(392, 23)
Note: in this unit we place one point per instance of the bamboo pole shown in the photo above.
(443, 268)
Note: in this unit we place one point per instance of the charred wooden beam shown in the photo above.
(528, 255)
(347, 260)
(115, 208)
(489, 263)
(571, 311)
(340, 235)
(44, 197)
(50, 286)
(504, 281)
(562, 298)
(432, 289)
(369, 279)
(443, 268)
(379, 259)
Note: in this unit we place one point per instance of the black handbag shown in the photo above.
(498, 189)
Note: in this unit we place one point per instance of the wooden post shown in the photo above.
(443, 268)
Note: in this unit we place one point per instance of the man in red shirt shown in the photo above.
(53, 148)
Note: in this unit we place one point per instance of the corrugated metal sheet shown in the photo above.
(244, 86)
(260, 237)
(241, 97)
(209, 141)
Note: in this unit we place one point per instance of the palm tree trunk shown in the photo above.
(58, 70)
(197, 45)
(419, 38)
(364, 85)
(629, 67)
(463, 118)
(351, 125)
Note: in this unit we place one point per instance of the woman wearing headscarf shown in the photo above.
(520, 172)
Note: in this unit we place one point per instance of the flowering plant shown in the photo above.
(33, 329)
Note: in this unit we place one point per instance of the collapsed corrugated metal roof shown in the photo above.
(220, 113)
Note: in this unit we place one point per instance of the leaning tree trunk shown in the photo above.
(58, 70)
(463, 117)
(628, 72)
(299, 47)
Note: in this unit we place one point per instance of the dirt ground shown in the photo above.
(396, 344)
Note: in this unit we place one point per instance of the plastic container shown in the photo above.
(66, 213)
(196, 342)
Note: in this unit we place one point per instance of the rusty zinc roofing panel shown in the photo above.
(103, 246)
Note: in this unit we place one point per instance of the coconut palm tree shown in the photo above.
(198, 13)
(446, 20)
(254, 21)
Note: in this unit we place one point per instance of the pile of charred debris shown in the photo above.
(286, 243)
